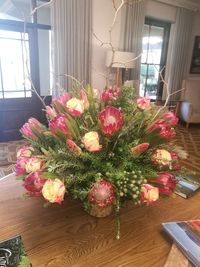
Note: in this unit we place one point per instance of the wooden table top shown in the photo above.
(65, 235)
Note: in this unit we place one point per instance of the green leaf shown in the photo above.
(21, 177)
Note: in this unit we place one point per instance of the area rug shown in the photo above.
(8, 152)
(188, 139)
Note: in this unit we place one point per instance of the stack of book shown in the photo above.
(187, 186)
(185, 251)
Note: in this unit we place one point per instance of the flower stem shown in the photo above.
(118, 235)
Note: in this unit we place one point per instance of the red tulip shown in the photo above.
(102, 194)
(33, 183)
(111, 120)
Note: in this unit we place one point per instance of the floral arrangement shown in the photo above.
(102, 148)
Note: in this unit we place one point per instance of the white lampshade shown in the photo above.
(121, 59)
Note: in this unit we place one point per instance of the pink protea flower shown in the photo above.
(34, 183)
(110, 93)
(54, 191)
(143, 102)
(167, 183)
(170, 118)
(175, 163)
(167, 132)
(91, 141)
(51, 114)
(139, 149)
(26, 130)
(149, 194)
(25, 151)
(62, 99)
(60, 124)
(20, 167)
(111, 120)
(84, 99)
(75, 107)
(73, 147)
(102, 194)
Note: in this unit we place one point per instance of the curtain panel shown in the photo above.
(71, 41)
(178, 59)
(133, 18)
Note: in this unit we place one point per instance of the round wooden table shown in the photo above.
(65, 235)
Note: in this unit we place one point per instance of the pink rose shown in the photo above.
(34, 164)
(143, 102)
(91, 141)
(54, 191)
(75, 107)
(33, 183)
(149, 194)
(25, 151)
(139, 149)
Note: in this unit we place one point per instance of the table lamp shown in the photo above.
(120, 60)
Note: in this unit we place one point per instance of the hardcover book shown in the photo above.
(187, 186)
(13, 254)
(186, 235)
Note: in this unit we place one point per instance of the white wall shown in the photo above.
(103, 14)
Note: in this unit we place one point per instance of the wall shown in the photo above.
(103, 14)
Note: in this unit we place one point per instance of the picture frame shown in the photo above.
(195, 63)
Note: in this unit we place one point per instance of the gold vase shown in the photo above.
(99, 212)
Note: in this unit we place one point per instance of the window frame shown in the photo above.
(166, 25)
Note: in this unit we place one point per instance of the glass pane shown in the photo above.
(45, 62)
(14, 94)
(143, 75)
(15, 10)
(13, 64)
(145, 42)
(43, 13)
(1, 95)
(155, 45)
(152, 81)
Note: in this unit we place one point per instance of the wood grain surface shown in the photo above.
(65, 235)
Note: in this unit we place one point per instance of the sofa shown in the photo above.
(189, 110)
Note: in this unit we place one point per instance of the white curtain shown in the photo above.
(178, 57)
(133, 18)
(71, 46)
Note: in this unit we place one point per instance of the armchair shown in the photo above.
(190, 102)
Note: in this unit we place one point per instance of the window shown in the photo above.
(154, 54)
(24, 50)
(14, 64)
